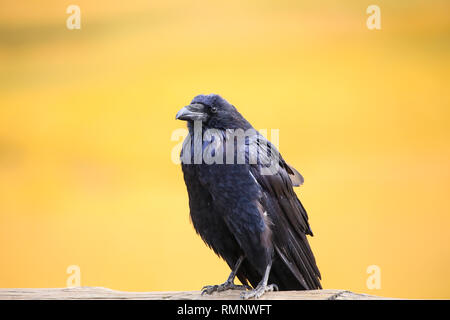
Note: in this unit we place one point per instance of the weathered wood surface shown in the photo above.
(99, 293)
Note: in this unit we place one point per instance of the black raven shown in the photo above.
(250, 217)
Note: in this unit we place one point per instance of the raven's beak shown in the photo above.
(191, 112)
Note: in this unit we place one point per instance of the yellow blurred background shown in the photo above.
(86, 117)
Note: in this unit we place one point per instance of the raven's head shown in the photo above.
(214, 112)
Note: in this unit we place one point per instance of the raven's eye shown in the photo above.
(213, 109)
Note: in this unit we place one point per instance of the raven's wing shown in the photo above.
(289, 218)
(296, 178)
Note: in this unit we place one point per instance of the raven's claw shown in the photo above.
(259, 291)
(227, 285)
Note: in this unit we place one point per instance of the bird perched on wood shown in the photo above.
(243, 204)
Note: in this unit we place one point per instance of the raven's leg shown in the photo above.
(229, 284)
(262, 287)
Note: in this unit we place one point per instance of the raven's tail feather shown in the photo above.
(285, 274)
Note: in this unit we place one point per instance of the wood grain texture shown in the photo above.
(99, 293)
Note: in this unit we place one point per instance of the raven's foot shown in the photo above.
(259, 291)
(227, 285)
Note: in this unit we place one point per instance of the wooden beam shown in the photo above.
(99, 293)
